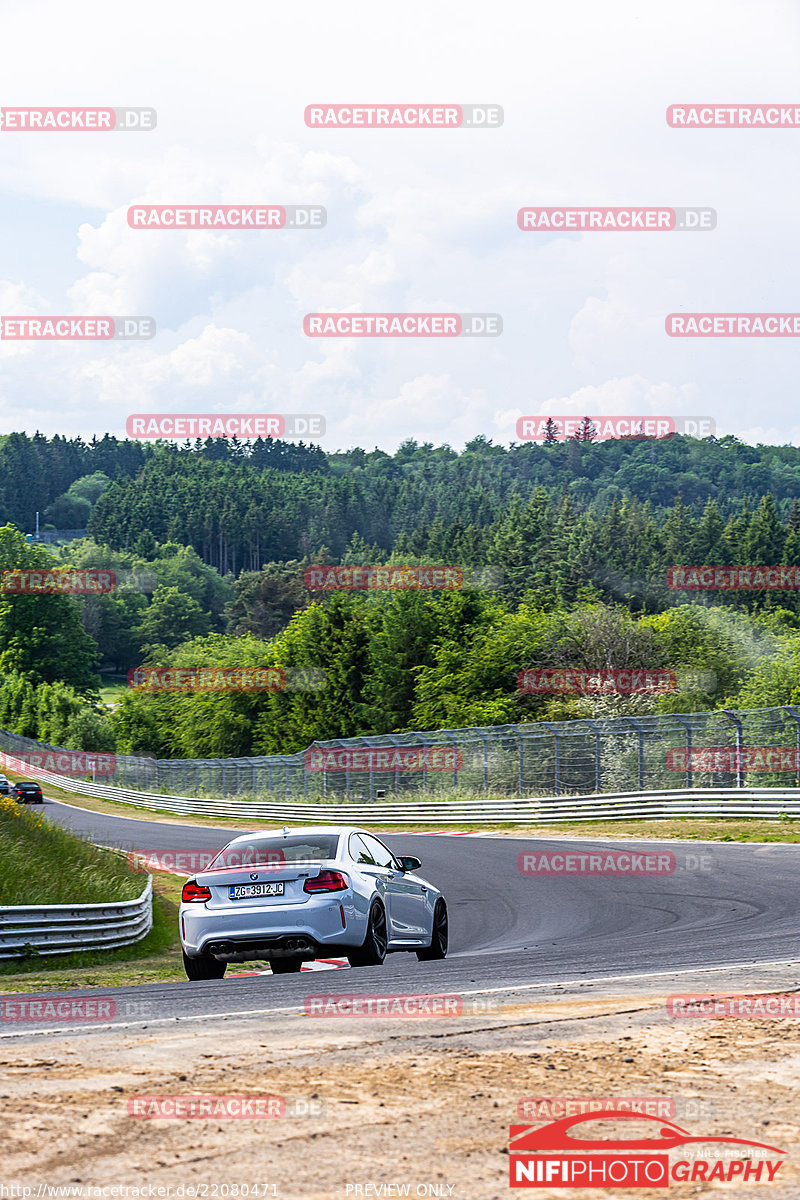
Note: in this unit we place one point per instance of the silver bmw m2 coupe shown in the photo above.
(294, 895)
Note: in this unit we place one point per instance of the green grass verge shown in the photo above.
(41, 863)
(155, 959)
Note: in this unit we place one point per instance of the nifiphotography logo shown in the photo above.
(572, 1158)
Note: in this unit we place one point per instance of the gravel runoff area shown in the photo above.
(377, 1106)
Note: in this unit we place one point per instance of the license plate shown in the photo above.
(244, 891)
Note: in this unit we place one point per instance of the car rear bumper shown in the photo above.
(246, 949)
(314, 928)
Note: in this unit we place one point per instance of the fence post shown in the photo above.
(425, 745)
(689, 773)
(739, 745)
(598, 767)
(450, 738)
(557, 738)
(640, 734)
(790, 708)
(521, 777)
(395, 741)
(485, 760)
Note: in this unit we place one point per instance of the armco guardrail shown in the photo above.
(765, 803)
(721, 748)
(65, 928)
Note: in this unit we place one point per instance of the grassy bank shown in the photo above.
(152, 960)
(41, 863)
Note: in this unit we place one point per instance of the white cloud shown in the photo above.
(417, 220)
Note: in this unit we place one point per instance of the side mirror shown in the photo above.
(409, 863)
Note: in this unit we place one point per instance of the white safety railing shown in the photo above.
(765, 803)
(723, 748)
(64, 928)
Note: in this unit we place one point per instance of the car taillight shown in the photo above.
(193, 892)
(327, 881)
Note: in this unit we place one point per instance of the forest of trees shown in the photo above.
(579, 535)
(39, 474)
(429, 501)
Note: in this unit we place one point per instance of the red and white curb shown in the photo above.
(319, 964)
(448, 833)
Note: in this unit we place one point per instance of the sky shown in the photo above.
(418, 220)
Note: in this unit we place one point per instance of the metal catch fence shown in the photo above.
(723, 749)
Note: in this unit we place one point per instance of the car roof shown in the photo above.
(302, 830)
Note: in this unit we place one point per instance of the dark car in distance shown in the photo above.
(26, 792)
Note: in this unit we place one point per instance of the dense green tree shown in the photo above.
(266, 600)
(171, 618)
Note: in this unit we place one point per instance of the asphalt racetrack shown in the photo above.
(723, 905)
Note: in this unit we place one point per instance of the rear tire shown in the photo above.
(285, 966)
(438, 946)
(204, 967)
(373, 951)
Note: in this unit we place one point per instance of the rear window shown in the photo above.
(27, 787)
(274, 851)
